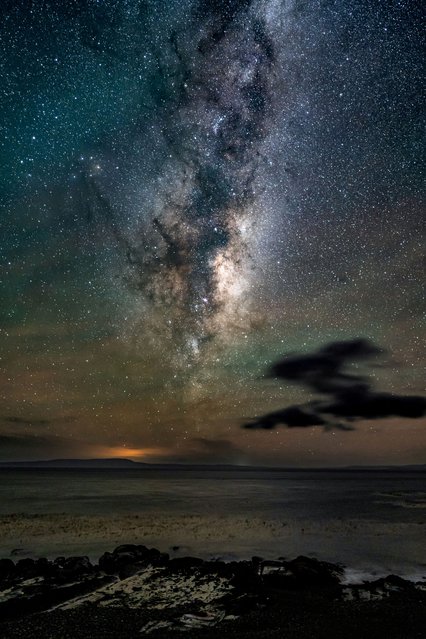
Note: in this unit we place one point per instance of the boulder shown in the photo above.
(71, 568)
(392, 583)
(59, 562)
(7, 569)
(43, 566)
(107, 563)
(131, 555)
(219, 568)
(244, 576)
(29, 568)
(312, 573)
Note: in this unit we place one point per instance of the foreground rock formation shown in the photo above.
(181, 594)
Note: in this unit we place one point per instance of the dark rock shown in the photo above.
(245, 576)
(161, 560)
(71, 568)
(133, 549)
(29, 568)
(136, 553)
(183, 564)
(308, 572)
(392, 583)
(130, 554)
(280, 580)
(269, 563)
(214, 568)
(26, 568)
(106, 563)
(7, 569)
(391, 586)
(59, 561)
(44, 596)
(43, 567)
(129, 570)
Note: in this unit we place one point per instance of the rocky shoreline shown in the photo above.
(135, 591)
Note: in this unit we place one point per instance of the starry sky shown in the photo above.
(191, 191)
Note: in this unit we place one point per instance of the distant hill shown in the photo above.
(118, 463)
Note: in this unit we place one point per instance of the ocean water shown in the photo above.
(373, 522)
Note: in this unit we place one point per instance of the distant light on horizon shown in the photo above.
(124, 452)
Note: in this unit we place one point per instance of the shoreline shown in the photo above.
(54, 534)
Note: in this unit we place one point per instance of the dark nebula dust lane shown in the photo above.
(191, 190)
(213, 98)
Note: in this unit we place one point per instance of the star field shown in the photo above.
(189, 191)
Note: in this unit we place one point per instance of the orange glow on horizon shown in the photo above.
(124, 452)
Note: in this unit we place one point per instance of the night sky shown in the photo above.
(190, 192)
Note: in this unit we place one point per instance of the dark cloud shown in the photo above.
(293, 417)
(351, 396)
(323, 371)
(354, 404)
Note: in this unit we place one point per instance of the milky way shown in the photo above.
(189, 256)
